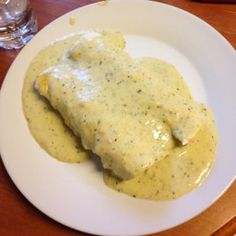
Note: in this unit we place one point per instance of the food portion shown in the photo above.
(136, 114)
(111, 102)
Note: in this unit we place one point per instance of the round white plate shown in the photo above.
(74, 194)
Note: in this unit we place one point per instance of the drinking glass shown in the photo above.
(18, 23)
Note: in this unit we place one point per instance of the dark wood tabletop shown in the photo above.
(19, 217)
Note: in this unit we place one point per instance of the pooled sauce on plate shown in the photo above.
(182, 170)
(46, 125)
(188, 155)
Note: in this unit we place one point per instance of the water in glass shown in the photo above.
(17, 23)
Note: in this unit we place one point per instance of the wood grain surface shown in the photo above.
(19, 217)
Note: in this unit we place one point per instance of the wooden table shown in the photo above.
(19, 217)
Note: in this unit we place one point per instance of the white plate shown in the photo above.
(75, 195)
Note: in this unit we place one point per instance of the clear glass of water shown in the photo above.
(18, 23)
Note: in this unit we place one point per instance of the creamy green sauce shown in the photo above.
(181, 168)
(46, 125)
